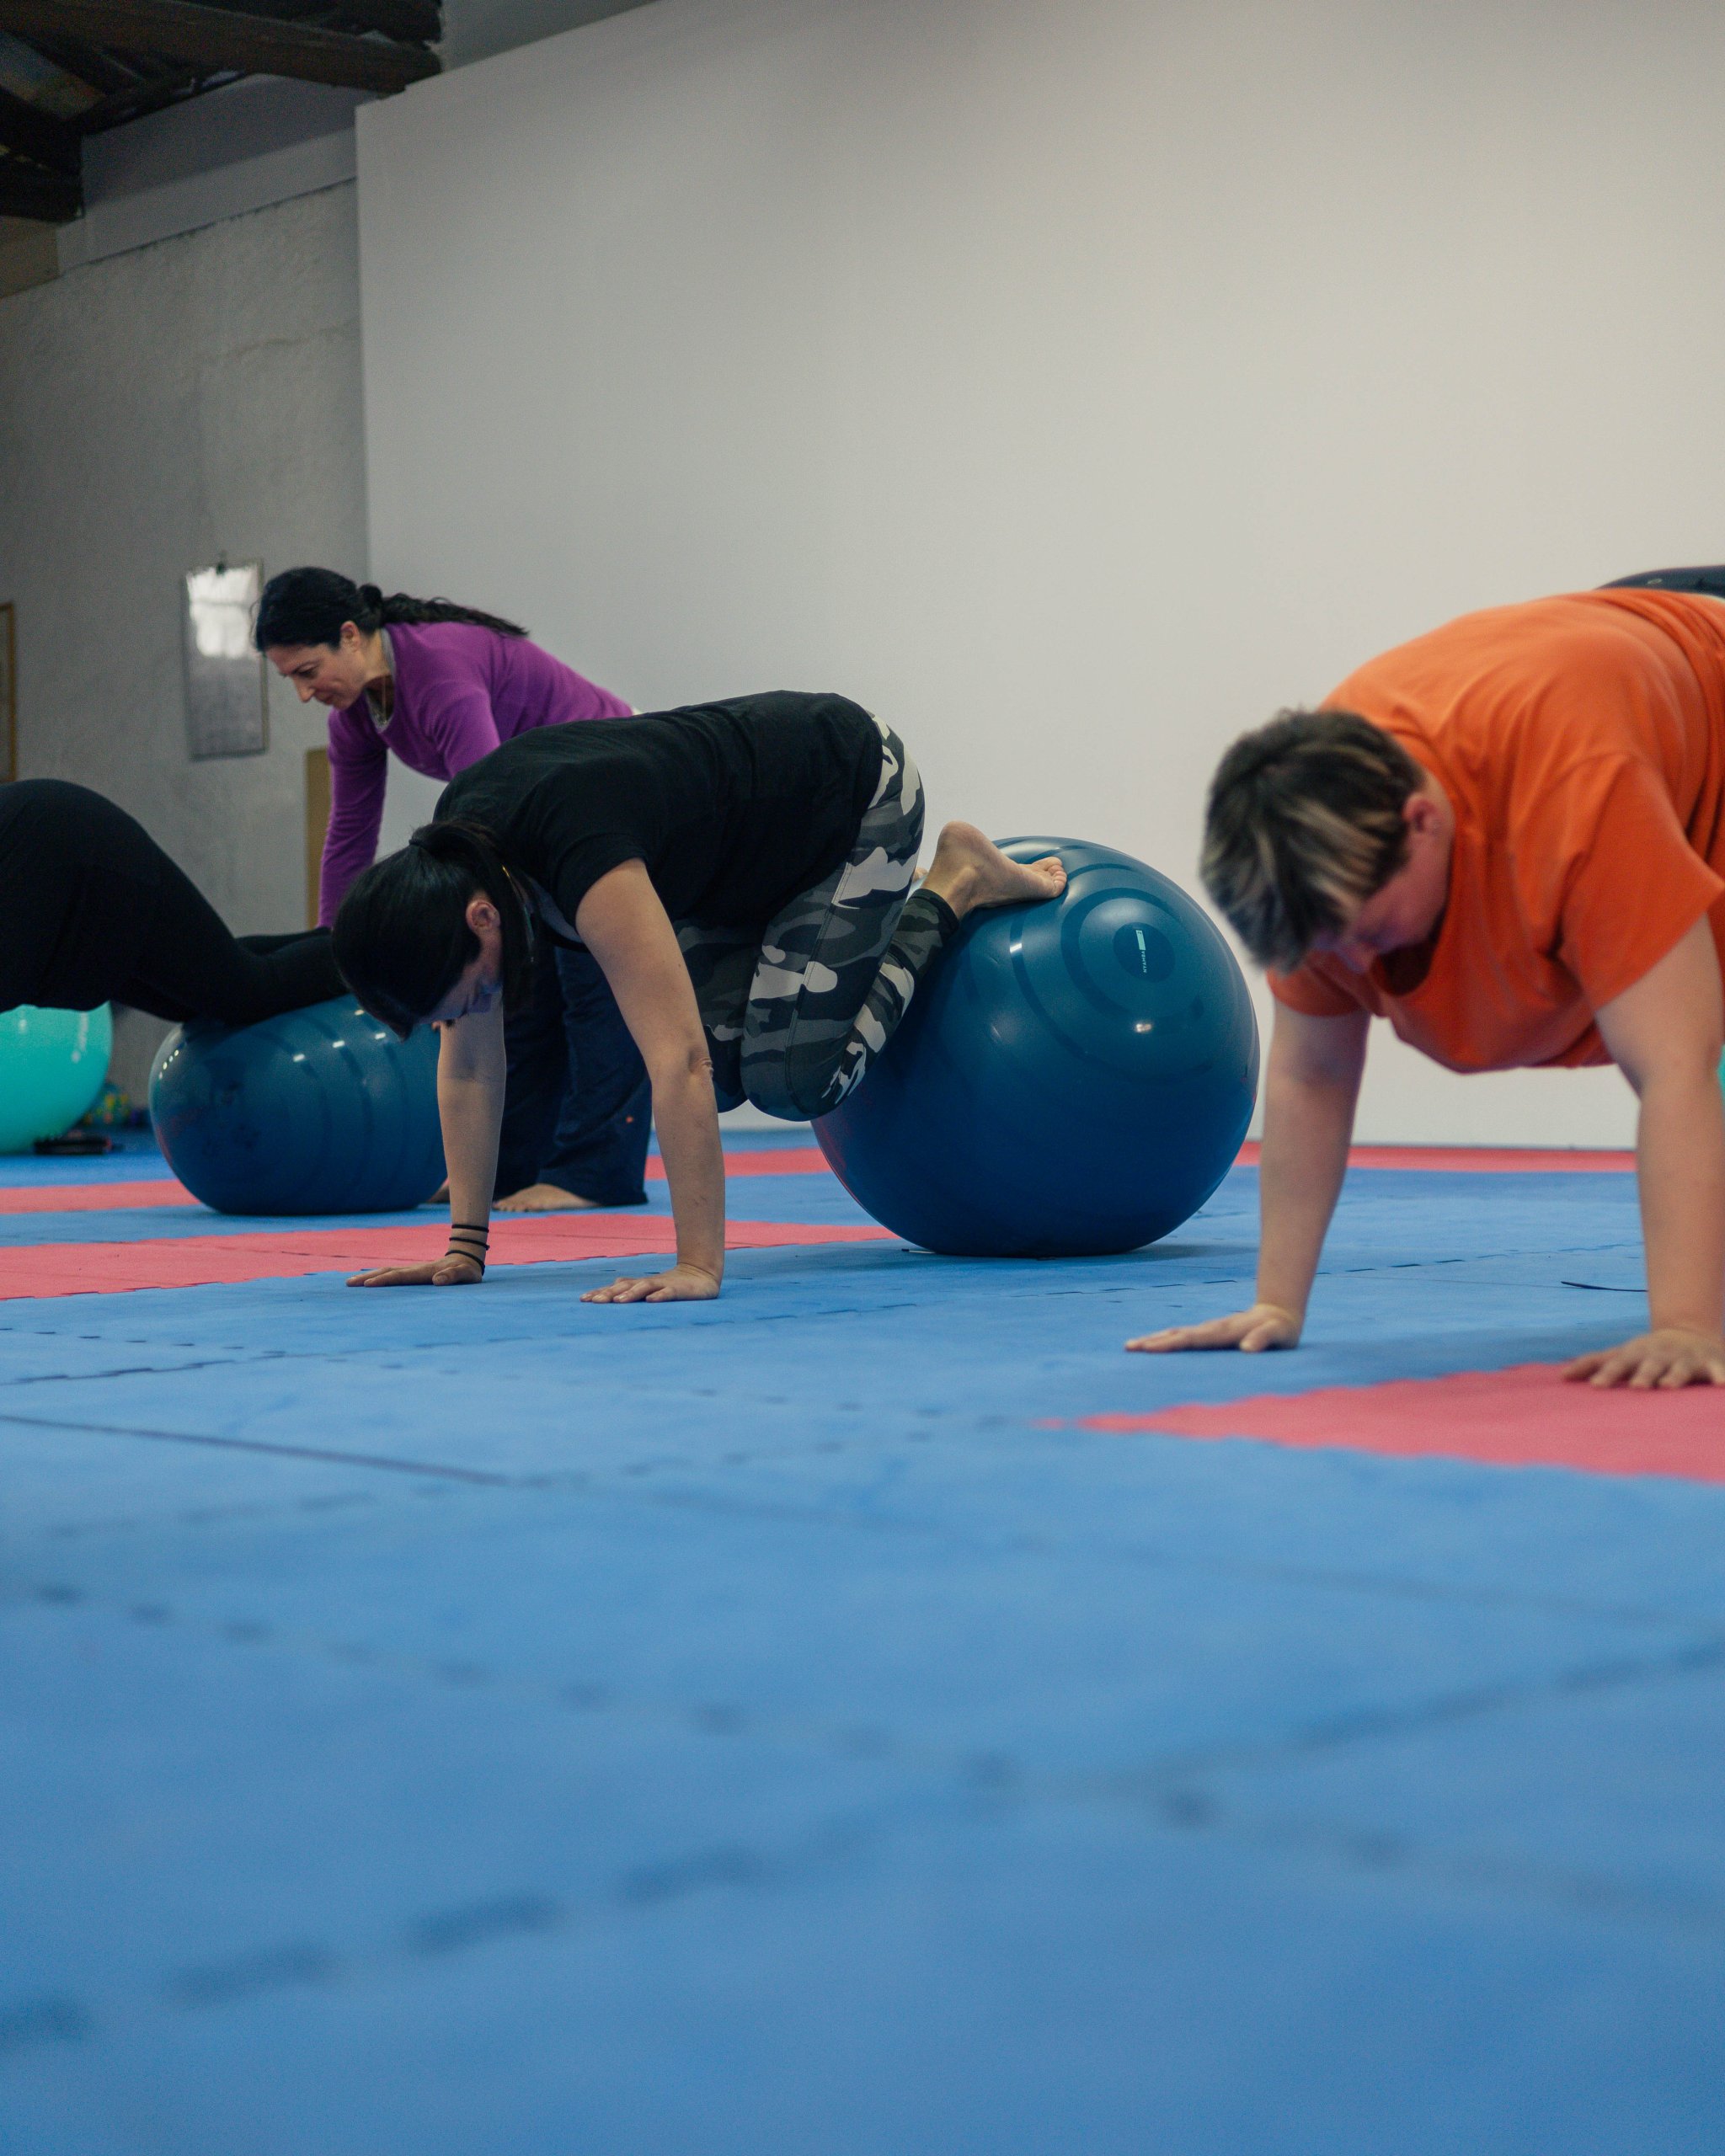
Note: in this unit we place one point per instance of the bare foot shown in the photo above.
(969, 870)
(544, 1197)
(440, 1196)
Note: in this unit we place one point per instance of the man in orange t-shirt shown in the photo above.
(1508, 838)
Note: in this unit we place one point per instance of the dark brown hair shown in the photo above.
(310, 607)
(1303, 826)
(402, 938)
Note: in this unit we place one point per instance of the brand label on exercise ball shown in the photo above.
(1145, 951)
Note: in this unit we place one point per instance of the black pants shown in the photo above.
(91, 911)
(579, 1111)
(194, 969)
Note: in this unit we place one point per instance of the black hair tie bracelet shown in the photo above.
(464, 1232)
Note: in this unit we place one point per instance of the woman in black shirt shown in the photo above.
(93, 911)
(742, 872)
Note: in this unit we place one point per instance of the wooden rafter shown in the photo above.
(48, 197)
(100, 71)
(422, 19)
(28, 133)
(215, 40)
(414, 21)
(418, 21)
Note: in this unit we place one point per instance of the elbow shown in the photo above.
(1677, 1079)
(689, 1065)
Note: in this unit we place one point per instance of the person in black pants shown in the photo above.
(580, 1108)
(93, 911)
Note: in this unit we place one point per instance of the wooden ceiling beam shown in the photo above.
(48, 142)
(99, 72)
(416, 21)
(47, 197)
(213, 38)
(420, 20)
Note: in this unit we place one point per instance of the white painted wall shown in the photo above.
(184, 400)
(1075, 381)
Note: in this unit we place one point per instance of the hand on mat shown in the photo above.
(1265, 1325)
(1670, 1356)
(683, 1283)
(441, 1272)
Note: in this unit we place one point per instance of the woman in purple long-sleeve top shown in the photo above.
(440, 685)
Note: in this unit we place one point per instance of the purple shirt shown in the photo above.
(459, 691)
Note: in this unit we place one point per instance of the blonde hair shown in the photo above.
(1303, 826)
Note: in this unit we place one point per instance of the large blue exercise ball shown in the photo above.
(52, 1064)
(321, 1110)
(1072, 1079)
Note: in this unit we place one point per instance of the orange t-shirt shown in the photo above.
(1581, 741)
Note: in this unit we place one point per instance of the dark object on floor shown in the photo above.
(75, 1142)
(321, 1110)
(1074, 1079)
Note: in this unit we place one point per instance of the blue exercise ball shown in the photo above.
(321, 1110)
(52, 1064)
(1073, 1079)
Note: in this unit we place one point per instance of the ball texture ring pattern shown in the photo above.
(321, 1110)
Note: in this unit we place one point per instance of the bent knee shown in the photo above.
(794, 1094)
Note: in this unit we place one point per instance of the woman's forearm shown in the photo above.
(1681, 1156)
(350, 837)
(1307, 1126)
(470, 1094)
(686, 1121)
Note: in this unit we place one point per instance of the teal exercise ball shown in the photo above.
(1073, 1079)
(52, 1064)
(321, 1110)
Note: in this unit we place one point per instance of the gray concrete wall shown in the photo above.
(196, 398)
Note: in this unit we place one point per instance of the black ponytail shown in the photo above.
(402, 938)
(301, 607)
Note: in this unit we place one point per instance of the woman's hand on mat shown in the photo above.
(1668, 1356)
(441, 1272)
(683, 1283)
(1265, 1325)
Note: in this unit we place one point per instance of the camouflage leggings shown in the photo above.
(793, 1016)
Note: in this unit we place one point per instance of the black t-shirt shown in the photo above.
(735, 808)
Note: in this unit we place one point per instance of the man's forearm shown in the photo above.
(1681, 1156)
(1307, 1126)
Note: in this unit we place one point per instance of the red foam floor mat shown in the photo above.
(94, 1197)
(38, 1270)
(1525, 1417)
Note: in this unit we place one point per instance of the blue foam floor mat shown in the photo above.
(479, 1722)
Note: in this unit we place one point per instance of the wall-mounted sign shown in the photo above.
(226, 710)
